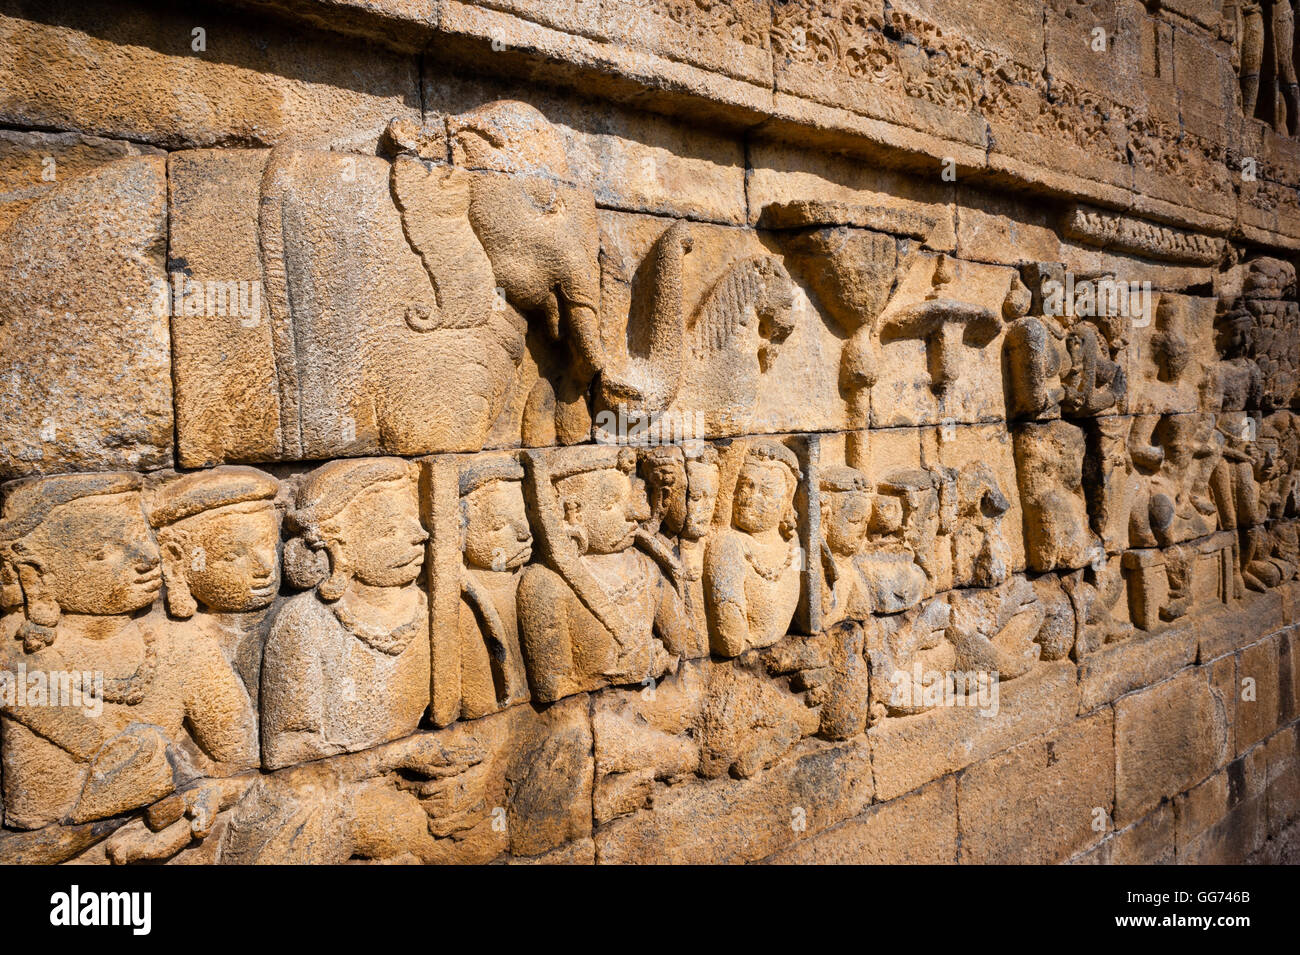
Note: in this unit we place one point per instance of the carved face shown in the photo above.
(227, 557)
(497, 535)
(920, 519)
(847, 519)
(764, 492)
(97, 556)
(378, 536)
(666, 482)
(602, 504)
(701, 498)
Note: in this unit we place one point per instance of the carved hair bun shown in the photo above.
(304, 568)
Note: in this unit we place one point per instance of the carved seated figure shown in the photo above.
(219, 534)
(752, 568)
(599, 610)
(1061, 364)
(863, 578)
(498, 543)
(88, 572)
(347, 662)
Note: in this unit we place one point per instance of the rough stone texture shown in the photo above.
(1058, 806)
(815, 431)
(85, 375)
(1169, 737)
(917, 829)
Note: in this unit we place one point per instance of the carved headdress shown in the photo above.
(27, 504)
(192, 494)
(322, 495)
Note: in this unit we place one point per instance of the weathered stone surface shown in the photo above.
(907, 753)
(1060, 802)
(1149, 841)
(213, 238)
(1258, 702)
(684, 431)
(1131, 664)
(84, 367)
(100, 70)
(917, 829)
(744, 820)
(1169, 737)
(1282, 753)
(1222, 820)
(32, 163)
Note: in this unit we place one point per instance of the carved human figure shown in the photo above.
(1286, 93)
(868, 567)
(498, 543)
(1050, 459)
(1058, 363)
(347, 662)
(752, 568)
(600, 609)
(89, 572)
(219, 534)
(682, 484)
(995, 629)
(912, 505)
(981, 555)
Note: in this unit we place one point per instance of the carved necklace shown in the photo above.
(389, 642)
(130, 690)
(630, 587)
(768, 574)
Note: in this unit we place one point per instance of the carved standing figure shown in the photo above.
(347, 662)
(599, 610)
(498, 542)
(752, 568)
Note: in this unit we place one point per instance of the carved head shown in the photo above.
(846, 510)
(218, 531)
(765, 489)
(356, 519)
(908, 503)
(702, 479)
(78, 543)
(493, 516)
(664, 471)
(1235, 333)
(602, 506)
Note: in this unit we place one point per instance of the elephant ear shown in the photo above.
(434, 206)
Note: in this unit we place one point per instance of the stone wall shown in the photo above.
(628, 431)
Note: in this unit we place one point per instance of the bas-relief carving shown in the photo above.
(346, 664)
(480, 542)
(603, 604)
(1267, 25)
(753, 565)
(88, 573)
(720, 601)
